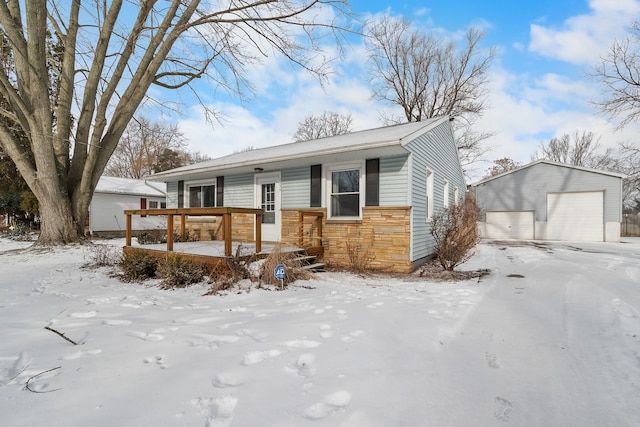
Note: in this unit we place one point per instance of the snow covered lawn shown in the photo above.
(550, 338)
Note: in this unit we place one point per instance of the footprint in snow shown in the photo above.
(159, 360)
(79, 354)
(326, 331)
(492, 360)
(115, 322)
(349, 337)
(146, 336)
(342, 314)
(304, 366)
(300, 343)
(227, 379)
(83, 315)
(329, 405)
(253, 357)
(502, 409)
(212, 341)
(221, 411)
(375, 305)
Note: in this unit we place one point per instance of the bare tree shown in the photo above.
(142, 145)
(619, 76)
(579, 149)
(112, 53)
(428, 75)
(327, 124)
(502, 165)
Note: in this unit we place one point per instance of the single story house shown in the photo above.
(113, 195)
(551, 201)
(373, 191)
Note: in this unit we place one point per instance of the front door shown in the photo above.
(268, 199)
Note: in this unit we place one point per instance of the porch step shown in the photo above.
(304, 258)
(317, 267)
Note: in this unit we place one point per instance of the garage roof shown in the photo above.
(599, 171)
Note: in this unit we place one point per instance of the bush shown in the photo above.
(359, 259)
(455, 232)
(103, 255)
(153, 236)
(179, 271)
(223, 275)
(137, 266)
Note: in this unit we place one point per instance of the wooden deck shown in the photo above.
(211, 252)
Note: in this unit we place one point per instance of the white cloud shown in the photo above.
(584, 38)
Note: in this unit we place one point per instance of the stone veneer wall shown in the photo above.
(383, 232)
(210, 228)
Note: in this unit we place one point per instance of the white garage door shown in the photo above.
(575, 216)
(510, 225)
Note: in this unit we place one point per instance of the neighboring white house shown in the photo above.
(113, 195)
(551, 201)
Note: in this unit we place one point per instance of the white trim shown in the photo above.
(327, 185)
(200, 182)
(257, 195)
(429, 193)
(445, 193)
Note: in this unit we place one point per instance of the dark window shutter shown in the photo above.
(181, 194)
(220, 191)
(316, 186)
(143, 205)
(372, 183)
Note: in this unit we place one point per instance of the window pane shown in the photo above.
(195, 197)
(153, 205)
(345, 181)
(208, 198)
(268, 203)
(345, 205)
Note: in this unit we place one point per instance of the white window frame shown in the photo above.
(327, 185)
(445, 193)
(429, 193)
(456, 195)
(200, 183)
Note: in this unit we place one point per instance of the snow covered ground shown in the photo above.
(550, 338)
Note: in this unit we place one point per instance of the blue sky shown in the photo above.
(538, 87)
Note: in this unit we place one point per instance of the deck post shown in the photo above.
(183, 228)
(259, 232)
(170, 232)
(128, 230)
(226, 218)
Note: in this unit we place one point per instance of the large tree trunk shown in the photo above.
(56, 221)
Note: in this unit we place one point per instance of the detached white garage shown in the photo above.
(510, 225)
(576, 216)
(551, 201)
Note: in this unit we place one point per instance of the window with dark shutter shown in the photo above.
(181, 194)
(220, 191)
(316, 186)
(372, 182)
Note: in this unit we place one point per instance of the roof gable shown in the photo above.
(548, 162)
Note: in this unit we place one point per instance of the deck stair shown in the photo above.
(309, 262)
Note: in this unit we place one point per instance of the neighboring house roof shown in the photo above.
(138, 187)
(379, 142)
(599, 171)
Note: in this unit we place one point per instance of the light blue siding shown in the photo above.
(393, 181)
(436, 151)
(238, 191)
(295, 187)
(172, 194)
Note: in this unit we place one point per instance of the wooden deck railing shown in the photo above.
(319, 215)
(225, 213)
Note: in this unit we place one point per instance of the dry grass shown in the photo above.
(293, 268)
